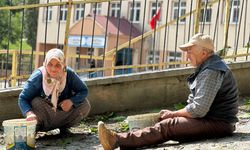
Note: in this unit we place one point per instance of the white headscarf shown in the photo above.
(54, 86)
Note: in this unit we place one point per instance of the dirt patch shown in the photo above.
(84, 136)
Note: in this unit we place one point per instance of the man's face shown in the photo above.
(196, 55)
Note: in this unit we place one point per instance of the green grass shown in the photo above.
(179, 106)
(245, 115)
(245, 108)
(16, 46)
(118, 118)
(123, 126)
(25, 46)
(247, 101)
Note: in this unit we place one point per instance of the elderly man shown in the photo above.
(210, 112)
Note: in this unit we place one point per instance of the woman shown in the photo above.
(54, 95)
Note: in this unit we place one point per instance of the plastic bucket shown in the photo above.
(142, 121)
(19, 134)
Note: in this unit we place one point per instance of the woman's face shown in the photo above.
(54, 68)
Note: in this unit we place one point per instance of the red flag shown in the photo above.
(154, 19)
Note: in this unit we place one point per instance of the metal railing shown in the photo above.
(150, 50)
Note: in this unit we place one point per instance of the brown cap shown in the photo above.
(199, 39)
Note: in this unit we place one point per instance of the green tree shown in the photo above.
(31, 17)
(9, 30)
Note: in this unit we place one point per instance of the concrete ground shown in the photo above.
(85, 137)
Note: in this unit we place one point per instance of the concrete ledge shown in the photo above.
(8, 104)
(133, 92)
(140, 76)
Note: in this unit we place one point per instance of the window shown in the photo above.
(154, 58)
(60, 46)
(134, 13)
(124, 57)
(154, 9)
(78, 60)
(63, 13)
(182, 10)
(90, 52)
(206, 14)
(79, 11)
(172, 56)
(115, 10)
(96, 8)
(234, 16)
(47, 11)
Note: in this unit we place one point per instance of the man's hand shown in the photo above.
(30, 116)
(171, 114)
(66, 105)
(166, 114)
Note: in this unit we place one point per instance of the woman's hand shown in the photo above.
(30, 116)
(66, 105)
(164, 114)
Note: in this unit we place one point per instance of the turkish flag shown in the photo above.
(154, 19)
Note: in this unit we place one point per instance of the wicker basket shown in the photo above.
(142, 121)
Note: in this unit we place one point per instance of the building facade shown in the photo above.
(161, 46)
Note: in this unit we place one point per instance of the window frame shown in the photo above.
(153, 10)
(80, 11)
(97, 10)
(64, 10)
(232, 13)
(170, 58)
(156, 58)
(116, 9)
(181, 12)
(209, 11)
(89, 52)
(50, 14)
(137, 11)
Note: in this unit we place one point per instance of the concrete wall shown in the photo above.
(133, 92)
(8, 104)
(138, 91)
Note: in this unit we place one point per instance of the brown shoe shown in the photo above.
(107, 137)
